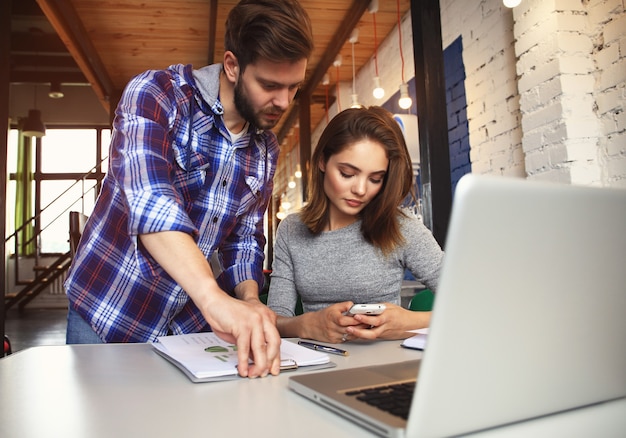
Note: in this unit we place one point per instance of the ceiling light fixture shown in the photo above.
(337, 64)
(284, 202)
(292, 182)
(378, 92)
(325, 82)
(33, 125)
(281, 213)
(405, 100)
(298, 173)
(511, 3)
(354, 37)
(55, 91)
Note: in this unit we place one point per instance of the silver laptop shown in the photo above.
(529, 317)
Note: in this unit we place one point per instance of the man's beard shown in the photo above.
(245, 110)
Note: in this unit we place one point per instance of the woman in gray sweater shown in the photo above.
(352, 242)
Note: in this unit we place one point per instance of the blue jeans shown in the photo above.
(79, 331)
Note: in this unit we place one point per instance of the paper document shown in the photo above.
(204, 357)
(418, 341)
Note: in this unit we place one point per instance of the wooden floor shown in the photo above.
(34, 327)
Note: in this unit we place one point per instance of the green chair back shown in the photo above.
(422, 301)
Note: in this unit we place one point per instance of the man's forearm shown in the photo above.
(177, 253)
(246, 290)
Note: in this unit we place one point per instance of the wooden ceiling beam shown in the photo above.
(39, 61)
(65, 21)
(48, 77)
(350, 20)
(45, 43)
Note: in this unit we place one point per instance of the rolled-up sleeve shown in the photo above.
(143, 165)
(242, 251)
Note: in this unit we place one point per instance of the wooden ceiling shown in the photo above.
(106, 42)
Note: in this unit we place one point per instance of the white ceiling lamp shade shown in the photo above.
(33, 126)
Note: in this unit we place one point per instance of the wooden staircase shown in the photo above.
(44, 277)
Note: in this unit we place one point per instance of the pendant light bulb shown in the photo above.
(405, 101)
(355, 102)
(511, 3)
(379, 92)
(355, 97)
(281, 213)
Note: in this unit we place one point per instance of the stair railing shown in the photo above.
(36, 220)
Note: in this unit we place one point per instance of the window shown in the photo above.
(68, 168)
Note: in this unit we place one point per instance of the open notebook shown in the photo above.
(528, 318)
(204, 357)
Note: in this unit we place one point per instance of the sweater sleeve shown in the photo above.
(282, 295)
(422, 254)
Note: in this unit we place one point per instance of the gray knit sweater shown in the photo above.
(340, 265)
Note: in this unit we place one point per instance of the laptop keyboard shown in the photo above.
(395, 398)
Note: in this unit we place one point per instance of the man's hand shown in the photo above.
(245, 322)
(252, 327)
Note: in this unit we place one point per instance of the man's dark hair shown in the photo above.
(276, 30)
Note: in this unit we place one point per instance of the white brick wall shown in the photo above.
(570, 80)
(493, 110)
(546, 86)
(608, 19)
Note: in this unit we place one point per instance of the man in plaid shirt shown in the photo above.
(191, 167)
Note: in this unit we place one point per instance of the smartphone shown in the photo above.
(366, 309)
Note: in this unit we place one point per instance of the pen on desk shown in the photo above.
(324, 348)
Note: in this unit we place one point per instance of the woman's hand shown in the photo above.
(394, 323)
(329, 324)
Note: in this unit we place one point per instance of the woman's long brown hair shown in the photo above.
(379, 218)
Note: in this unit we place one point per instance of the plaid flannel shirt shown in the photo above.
(159, 179)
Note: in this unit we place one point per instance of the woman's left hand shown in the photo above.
(394, 323)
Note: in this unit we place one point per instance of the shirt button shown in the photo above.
(215, 219)
(224, 183)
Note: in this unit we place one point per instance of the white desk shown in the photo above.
(124, 390)
(127, 390)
